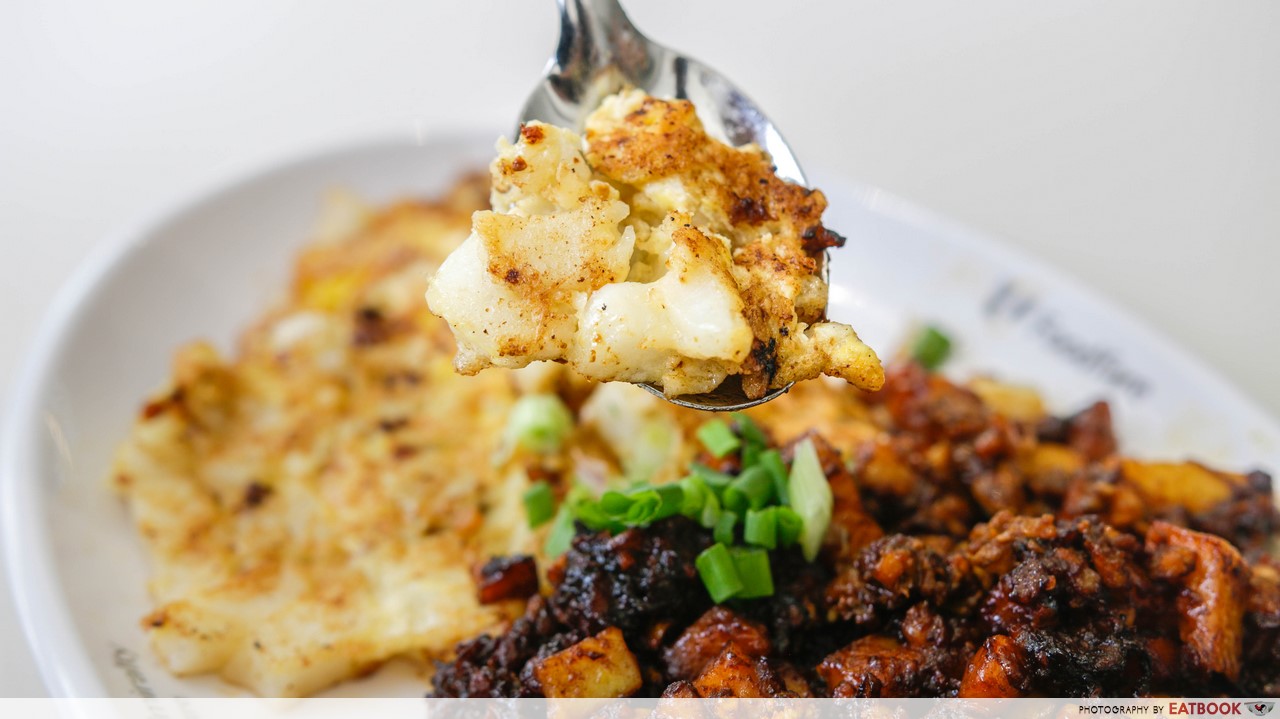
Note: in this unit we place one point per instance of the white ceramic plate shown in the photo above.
(206, 267)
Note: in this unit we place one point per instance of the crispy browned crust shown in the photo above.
(1213, 580)
(663, 138)
(775, 227)
(707, 637)
(267, 483)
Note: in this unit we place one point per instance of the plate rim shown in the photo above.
(39, 600)
(977, 241)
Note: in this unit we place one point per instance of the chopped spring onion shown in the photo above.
(789, 526)
(539, 503)
(772, 462)
(931, 348)
(752, 566)
(643, 510)
(718, 438)
(670, 501)
(754, 440)
(751, 431)
(763, 507)
(724, 528)
(717, 481)
(561, 534)
(538, 423)
(615, 502)
(752, 489)
(710, 511)
(714, 479)
(694, 493)
(761, 528)
(810, 497)
(734, 501)
(719, 573)
(591, 514)
(636, 507)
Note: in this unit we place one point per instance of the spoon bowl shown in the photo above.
(601, 53)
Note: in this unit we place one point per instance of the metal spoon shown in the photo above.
(600, 53)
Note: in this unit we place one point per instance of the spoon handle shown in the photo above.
(582, 13)
(596, 34)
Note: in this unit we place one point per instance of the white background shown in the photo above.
(1135, 144)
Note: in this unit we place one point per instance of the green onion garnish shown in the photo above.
(734, 501)
(789, 526)
(772, 462)
(931, 348)
(754, 440)
(810, 497)
(716, 481)
(750, 490)
(761, 528)
(636, 507)
(724, 528)
(718, 438)
(752, 565)
(719, 573)
(670, 500)
(764, 507)
(641, 505)
(643, 510)
(615, 502)
(561, 534)
(538, 423)
(539, 504)
(591, 514)
(710, 510)
(694, 494)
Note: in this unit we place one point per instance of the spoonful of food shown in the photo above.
(648, 225)
(600, 53)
